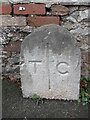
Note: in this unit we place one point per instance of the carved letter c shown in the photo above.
(62, 63)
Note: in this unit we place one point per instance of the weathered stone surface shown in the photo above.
(75, 14)
(86, 63)
(80, 31)
(28, 29)
(73, 9)
(50, 64)
(71, 19)
(65, 2)
(7, 20)
(81, 8)
(83, 15)
(83, 42)
(70, 25)
(59, 10)
(13, 46)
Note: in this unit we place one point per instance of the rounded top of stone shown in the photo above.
(58, 38)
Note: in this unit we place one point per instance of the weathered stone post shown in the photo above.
(50, 64)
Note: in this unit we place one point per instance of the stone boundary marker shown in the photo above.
(51, 64)
(72, 14)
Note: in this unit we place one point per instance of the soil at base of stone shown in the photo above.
(15, 106)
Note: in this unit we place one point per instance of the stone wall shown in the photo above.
(17, 20)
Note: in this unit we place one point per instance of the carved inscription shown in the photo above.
(35, 62)
(47, 55)
(51, 65)
(61, 67)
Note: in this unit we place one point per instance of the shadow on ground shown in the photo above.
(15, 106)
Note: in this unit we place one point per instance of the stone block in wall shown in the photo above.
(7, 20)
(75, 15)
(71, 19)
(84, 15)
(83, 42)
(13, 46)
(25, 9)
(42, 20)
(59, 10)
(64, 2)
(80, 31)
(85, 63)
(69, 25)
(72, 9)
(5, 9)
(28, 29)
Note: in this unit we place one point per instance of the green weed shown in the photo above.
(37, 99)
(84, 90)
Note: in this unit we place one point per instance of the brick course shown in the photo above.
(29, 9)
(42, 20)
(5, 9)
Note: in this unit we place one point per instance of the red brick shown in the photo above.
(59, 10)
(5, 9)
(30, 9)
(42, 20)
(13, 46)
